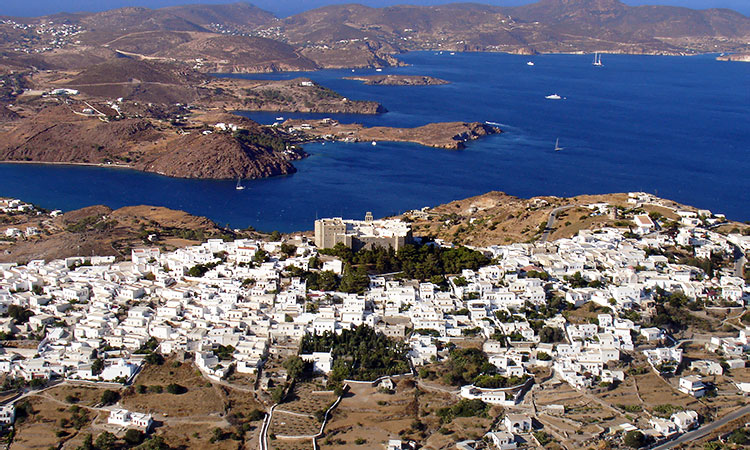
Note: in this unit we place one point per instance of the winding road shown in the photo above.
(551, 221)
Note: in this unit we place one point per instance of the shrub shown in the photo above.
(106, 441)
(109, 397)
(543, 438)
(634, 439)
(542, 356)
(464, 408)
(741, 437)
(155, 359)
(176, 389)
(256, 415)
(134, 437)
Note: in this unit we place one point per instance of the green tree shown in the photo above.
(154, 443)
(109, 397)
(134, 437)
(176, 389)
(88, 443)
(361, 353)
(294, 366)
(106, 441)
(288, 249)
(635, 439)
(549, 335)
(97, 366)
(740, 437)
(19, 314)
(260, 256)
(354, 280)
(460, 282)
(154, 359)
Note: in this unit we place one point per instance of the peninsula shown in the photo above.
(448, 135)
(737, 57)
(398, 80)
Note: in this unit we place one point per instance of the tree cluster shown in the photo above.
(464, 365)
(414, 262)
(464, 408)
(360, 354)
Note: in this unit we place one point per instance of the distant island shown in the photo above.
(398, 80)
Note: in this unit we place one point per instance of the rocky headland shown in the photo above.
(398, 80)
(735, 57)
(219, 146)
(448, 135)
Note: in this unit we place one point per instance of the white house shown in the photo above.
(502, 440)
(119, 369)
(705, 367)
(7, 414)
(322, 361)
(692, 385)
(666, 428)
(125, 418)
(517, 423)
(643, 224)
(685, 420)
(652, 334)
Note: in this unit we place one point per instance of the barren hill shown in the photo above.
(57, 134)
(117, 22)
(496, 218)
(238, 54)
(548, 25)
(98, 230)
(139, 80)
(240, 16)
(132, 70)
(149, 42)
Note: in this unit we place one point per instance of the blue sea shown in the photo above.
(678, 127)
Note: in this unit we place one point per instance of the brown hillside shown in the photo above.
(134, 19)
(98, 230)
(132, 70)
(226, 53)
(240, 16)
(56, 134)
(216, 155)
(548, 25)
(149, 42)
(7, 115)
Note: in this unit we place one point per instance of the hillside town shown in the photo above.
(90, 318)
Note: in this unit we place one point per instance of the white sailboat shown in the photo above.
(239, 186)
(557, 145)
(597, 60)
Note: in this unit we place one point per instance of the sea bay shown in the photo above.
(675, 126)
